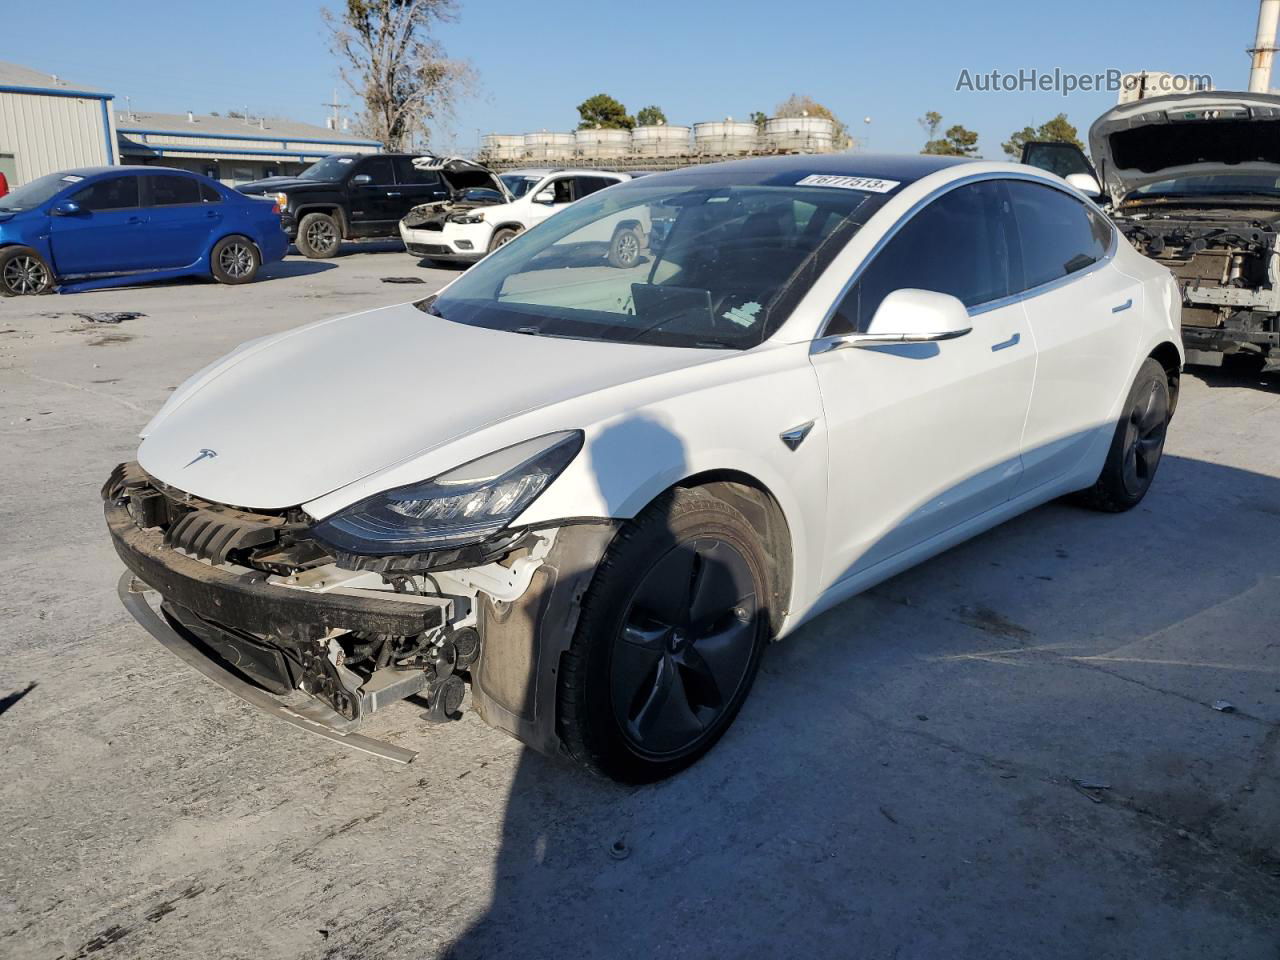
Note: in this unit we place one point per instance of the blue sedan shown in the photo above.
(115, 226)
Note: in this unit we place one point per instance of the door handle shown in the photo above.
(136, 220)
(1006, 344)
(1123, 307)
(392, 194)
(213, 214)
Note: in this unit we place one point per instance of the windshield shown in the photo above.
(695, 261)
(329, 169)
(36, 192)
(518, 184)
(1217, 185)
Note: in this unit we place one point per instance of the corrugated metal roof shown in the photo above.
(204, 125)
(16, 75)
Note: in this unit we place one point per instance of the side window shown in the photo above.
(589, 185)
(171, 190)
(208, 194)
(380, 169)
(961, 244)
(1060, 235)
(114, 193)
(563, 189)
(407, 173)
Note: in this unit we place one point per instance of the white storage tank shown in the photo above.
(800, 134)
(720, 137)
(660, 140)
(603, 142)
(549, 146)
(502, 146)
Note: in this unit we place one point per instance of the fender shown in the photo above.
(331, 207)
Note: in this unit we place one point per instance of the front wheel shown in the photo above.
(1136, 446)
(23, 273)
(234, 260)
(502, 237)
(319, 236)
(624, 250)
(669, 640)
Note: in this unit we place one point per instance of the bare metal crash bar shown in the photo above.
(132, 594)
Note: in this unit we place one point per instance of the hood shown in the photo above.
(256, 188)
(460, 175)
(286, 419)
(1199, 134)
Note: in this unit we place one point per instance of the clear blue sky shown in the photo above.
(697, 59)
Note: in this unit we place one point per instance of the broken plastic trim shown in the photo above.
(132, 594)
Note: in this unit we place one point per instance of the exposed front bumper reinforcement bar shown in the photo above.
(321, 720)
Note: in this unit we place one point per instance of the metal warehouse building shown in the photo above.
(47, 124)
(231, 149)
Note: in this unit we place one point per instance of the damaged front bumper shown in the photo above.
(353, 640)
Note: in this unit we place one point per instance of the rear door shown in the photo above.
(416, 185)
(105, 236)
(1084, 318)
(181, 223)
(375, 204)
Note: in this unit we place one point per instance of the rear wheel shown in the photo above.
(1137, 446)
(234, 260)
(319, 236)
(624, 250)
(502, 237)
(669, 641)
(23, 273)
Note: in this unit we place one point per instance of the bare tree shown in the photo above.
(392, 62)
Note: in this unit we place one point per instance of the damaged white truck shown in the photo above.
(593, 492)
(1194, 183)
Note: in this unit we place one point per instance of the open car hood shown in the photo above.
(459, 175)
(1199, 134)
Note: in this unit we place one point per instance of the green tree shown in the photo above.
(650, 116)
(798, 105)
(391, 61)
(759, 119)
(956, 141)
(604, 111)
(1057, 130)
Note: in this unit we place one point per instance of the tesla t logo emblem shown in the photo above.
(204, 454)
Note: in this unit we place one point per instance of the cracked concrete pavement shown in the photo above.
(1010, 751)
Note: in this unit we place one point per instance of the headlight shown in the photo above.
(471, 216)
(456, 509)
(283, 200)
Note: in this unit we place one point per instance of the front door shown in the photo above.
(552, 196)
(926, 436)
(104, 236)
(375, 203)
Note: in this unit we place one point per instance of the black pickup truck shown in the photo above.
(348, 197)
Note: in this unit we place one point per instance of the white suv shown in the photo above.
(480, 218)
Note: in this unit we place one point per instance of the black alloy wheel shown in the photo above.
(685, 647)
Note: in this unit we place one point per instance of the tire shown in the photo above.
(640, 696)
(319, 236)
(234, 259)
(624, 249)
(23, 273)
(501, 237)
(1137, 445)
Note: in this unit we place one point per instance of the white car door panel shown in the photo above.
(926, 436)
(1086, 329)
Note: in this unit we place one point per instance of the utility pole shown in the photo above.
(335, 106)
(1264, 47)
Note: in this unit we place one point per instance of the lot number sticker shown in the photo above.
(867, 184)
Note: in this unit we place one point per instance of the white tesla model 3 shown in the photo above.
(595, 493)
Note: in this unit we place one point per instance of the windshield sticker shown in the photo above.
(866, 184)
(71, 178)
(745, 315)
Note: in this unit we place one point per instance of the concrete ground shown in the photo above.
(910, 778)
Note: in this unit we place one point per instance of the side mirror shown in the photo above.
(361, 180)
(547, 197)
(909, 316)
(1086, 184)
(67, 208)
